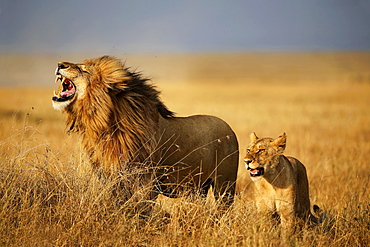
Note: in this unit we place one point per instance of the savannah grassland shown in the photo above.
(49, 197)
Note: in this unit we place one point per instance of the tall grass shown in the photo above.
(50, 197)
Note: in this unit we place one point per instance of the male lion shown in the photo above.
(280, 182)
(125, 126)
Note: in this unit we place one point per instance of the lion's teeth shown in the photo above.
(63, 79)
(56, 94)
(59, 77)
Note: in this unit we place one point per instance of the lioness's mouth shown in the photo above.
(68, 89)
(259, 171)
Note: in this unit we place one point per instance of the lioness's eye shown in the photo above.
(248, 150)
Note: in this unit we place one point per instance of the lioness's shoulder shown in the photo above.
(300, 173)
(296, 163)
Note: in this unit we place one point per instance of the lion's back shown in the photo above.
(202, 130)
(203, 140)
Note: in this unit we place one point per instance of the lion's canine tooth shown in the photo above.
(63, 79)
(56, 94)
(58, 77)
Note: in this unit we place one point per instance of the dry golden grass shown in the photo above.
(49, 197)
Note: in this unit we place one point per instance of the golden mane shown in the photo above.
(124, 124)
(119, 116)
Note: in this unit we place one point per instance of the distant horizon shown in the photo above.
(15, 70)
(107, 50)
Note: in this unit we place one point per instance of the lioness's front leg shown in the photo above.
(265, 206)
(285, 208)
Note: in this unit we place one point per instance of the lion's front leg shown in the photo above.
(144, 196)
(135, 191)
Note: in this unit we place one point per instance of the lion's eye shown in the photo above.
(248, 150)
(260, 151)
(84, 69)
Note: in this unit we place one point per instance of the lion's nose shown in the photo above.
(62, 66)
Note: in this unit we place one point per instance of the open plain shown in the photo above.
(49, 196)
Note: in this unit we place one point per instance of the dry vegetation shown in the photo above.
(49, 197)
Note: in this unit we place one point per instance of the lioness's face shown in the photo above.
(262, 153)
(73, 79)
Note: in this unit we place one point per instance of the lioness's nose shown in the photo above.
(62, 66)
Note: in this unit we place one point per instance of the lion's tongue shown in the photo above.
(255, 171)
(71, 90)
(66, 93)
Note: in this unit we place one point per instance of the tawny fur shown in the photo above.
(283, 187)
(122, 121)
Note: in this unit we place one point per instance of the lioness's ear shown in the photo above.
(253, 137)
(280, 143)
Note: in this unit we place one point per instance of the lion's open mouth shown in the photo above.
(68, 89)
(257, 172)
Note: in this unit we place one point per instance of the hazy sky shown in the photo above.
(141, 26)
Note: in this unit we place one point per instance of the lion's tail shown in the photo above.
(321, 215)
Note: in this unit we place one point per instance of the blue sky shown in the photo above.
(143, 26)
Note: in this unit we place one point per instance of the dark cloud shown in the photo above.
(183, 26)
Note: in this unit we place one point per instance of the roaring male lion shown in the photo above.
(280, 182)
(124, 125)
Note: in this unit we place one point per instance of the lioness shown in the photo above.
(280, 182)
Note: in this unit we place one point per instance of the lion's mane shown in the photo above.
(124, 124)
(119, 115)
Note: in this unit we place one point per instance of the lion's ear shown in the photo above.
(280, 143)
(253, 137)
